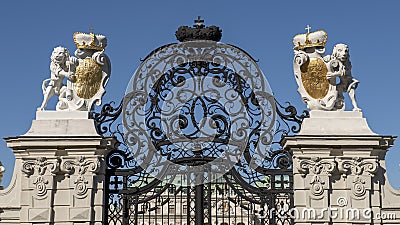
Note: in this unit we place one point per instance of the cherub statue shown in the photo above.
(341, 67)
(62, 66)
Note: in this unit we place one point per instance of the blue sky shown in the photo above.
(31, 29)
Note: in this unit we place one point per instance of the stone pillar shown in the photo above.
(338, 166)
(59, 172)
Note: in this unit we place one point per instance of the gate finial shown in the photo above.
(198, 32)
(199, 23)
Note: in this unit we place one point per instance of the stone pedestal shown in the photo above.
(59, 172)
(339, 170)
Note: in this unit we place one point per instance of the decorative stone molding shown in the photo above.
(80, 166)
(316, 165)
(81, 188)
(317, 185)
(357, 166)
(40, 186)
(358, 187)
(39, 167)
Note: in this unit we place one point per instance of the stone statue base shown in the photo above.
(335, 123)
(62, 123)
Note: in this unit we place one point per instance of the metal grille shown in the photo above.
(248, 192)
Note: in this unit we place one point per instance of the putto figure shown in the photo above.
(316, 75)
(87, 74)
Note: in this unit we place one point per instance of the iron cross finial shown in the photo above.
(308, 28)
(199, 22)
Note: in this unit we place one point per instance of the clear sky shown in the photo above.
(31, 29)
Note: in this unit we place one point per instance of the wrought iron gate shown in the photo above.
(197, 141)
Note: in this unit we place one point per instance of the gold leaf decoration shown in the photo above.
(88, 77)
(313, 76)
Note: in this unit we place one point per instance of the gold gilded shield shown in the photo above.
(313, 76)
(88, 77)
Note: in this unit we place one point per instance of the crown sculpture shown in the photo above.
(198, 32)
(316, 74)
(87, 74)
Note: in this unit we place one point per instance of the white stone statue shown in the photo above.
(316, 75)
(343, 71)
(87, 74)
(62, 66)
(2, 170)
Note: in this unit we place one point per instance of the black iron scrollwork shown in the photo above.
(192, 114)
(290, 115)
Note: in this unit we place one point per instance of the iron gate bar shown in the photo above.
(199, 204)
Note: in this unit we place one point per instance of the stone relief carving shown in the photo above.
(317, 185)
(39, 167)
(87, 74)
(358, 166)
(81, 188)
(58, 166)
(316, 75)
(40, 186)
(358, 187)
(316, 167)
(80, 165)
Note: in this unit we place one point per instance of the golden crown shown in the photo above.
(313, 39)
(90, 41)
